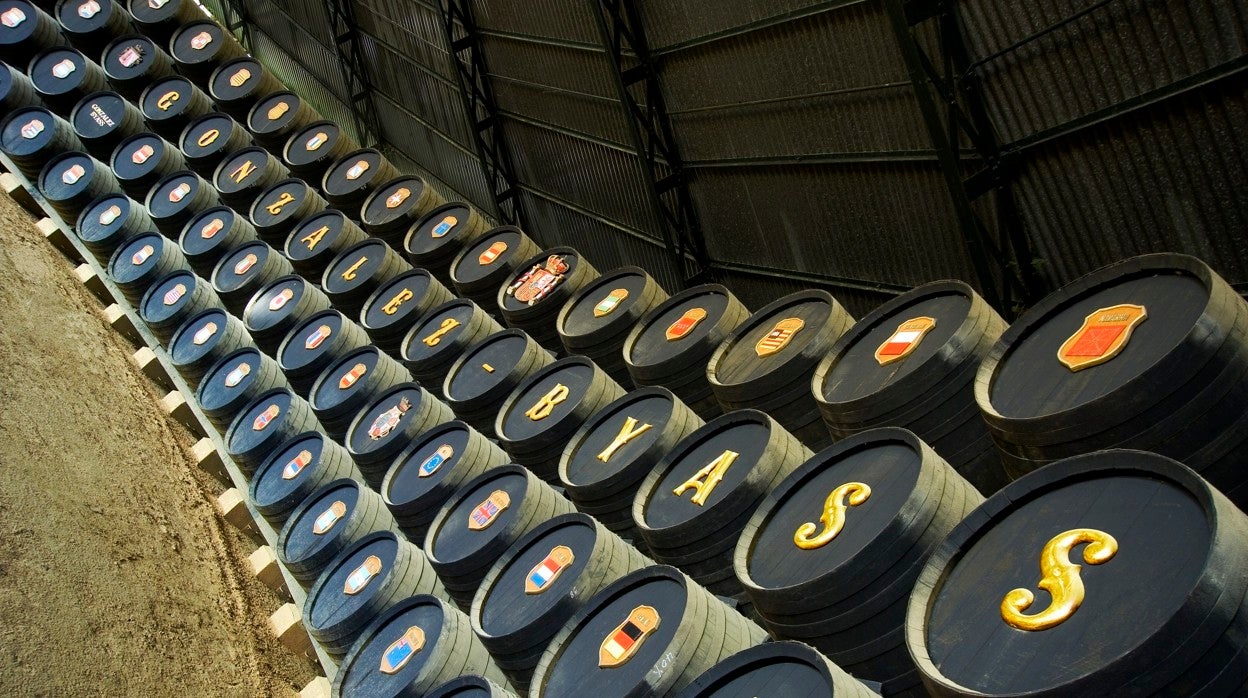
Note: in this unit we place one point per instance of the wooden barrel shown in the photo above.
(876, 503)
(233, 381)
(70, 182)
(237, 85)
(1151, 560)
(487, 372)
(203, 340)
(177, 198)
(434, 241)
(397, 205)
(210, 235)
(199, 47)
(671, 345)
(266, 423)
(606, 460)
(470, 686)
(102, 120)
(207, 140)
(142, 259)
(318, 239)
(359, 270)
(134, 61)
(142, 160)
(423, 642)
(33, 136)
(766, 363)
(281, 207)
(172, 300)
(338, 514)
(109, 222)
(596, 321)
(242, 272)
(922, 380)
(28, 31)
(482, 519)
(694, 503)
(440, 336)
(62, 76)
(350, 180)
(540, 582)
(397, 305)
(160, 20)
(315, 344)
(312, 149)
(1055, 385)
(280, 307)
(369, 577)
(243, 175)
(350, 384)
(651, 632)
(485, 265)
(385, 426)
(89, 26)
(16, 90)
(543, 412)
(776, 669)
(171, 104)
(531, 299)
(276, 117)
(294, 471)
(430, 470)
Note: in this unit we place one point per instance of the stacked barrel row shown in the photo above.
(840, 588)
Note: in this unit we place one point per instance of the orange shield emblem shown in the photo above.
(1103, 336)
(905, 340)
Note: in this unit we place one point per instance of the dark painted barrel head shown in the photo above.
(396, 652)
(533, 284)
(197, 42)
(28, 130)
(887, 465)
(166, 99)
(105, 217)
(676, 327)
(1139, 593)
(207, 136)
(341, 382)
(84, 16)
(138, 156)
(242, 170)
(742, 433)
(766, 343)
(263, 416)
(425, 464)
(286, 468)
(538, 577)
(315, 235)
(605, 631)
(229, 378)
(392, 201)
(381, 424)
(198, 336)
(17, 21)
(236, 79)
(311, 339)
(273, 113)
(58, 71)
(168, 296)
(319, 522)
(486, 255)
(353, 173)
(434, 335)
(275, 302)
(487, 364)
(136, 258)
(207, 231)
(174, 194)
(438, 229)
(67, 176)
(99, 115)
(129, 57)
(239, 267)
(613, 439)
(279, 205)
(602, 302)
(396, 300)
(355, 266)
(154, 11)
(312, 143)
(347, 587)
(546, 398)
(788, 669)
(478, 514)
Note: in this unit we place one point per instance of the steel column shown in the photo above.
(354, 68)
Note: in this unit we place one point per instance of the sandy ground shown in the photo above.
(117, 577)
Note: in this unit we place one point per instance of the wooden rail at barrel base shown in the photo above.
(210, 452)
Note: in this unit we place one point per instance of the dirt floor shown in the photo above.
(117, 576)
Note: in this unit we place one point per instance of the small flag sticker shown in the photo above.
(179, 192)
(110, 214)
(204, 334)
(265, 418)
(607, 305)
(904, 340)
(350, 377)
(145, 252)
(240, 77)
(12, 17)
(685, 324)
(277, 110)
(398, 197)
(32, 128)
(548, 570)
(73, 174)
(491, 253)
(132, 56)
(622, 643)
(487, 512)
(318, 336)
(200, 40)
(316, 141)
(357, 170)
(444, 227)
(1103, 335)
(89, 9)
(211, 228)
(436, 461)
(143, 154)
(64, 68)
(244, 264)
(402, 650)
(326, 519)
(296, 465)
(362, 575)
(233, 378)
(280, 300)
(779, 337)
(175, 294)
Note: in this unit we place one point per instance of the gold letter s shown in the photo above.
(1060, 577)
(833, 519)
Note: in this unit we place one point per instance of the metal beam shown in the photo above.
(636, 77)
(237, 20)
(354, 68)
(472, 74)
